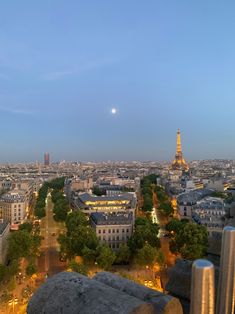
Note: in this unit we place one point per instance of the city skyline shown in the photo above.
(161, 66)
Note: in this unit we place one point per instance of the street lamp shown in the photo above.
(12, 303)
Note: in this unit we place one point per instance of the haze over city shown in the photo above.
(162, 65)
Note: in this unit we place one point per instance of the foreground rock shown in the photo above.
(71, 293)
(162, 303)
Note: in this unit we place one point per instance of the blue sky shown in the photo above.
(163, 64)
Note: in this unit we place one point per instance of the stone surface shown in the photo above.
(163, 304)
(71, 293)
(179, 283)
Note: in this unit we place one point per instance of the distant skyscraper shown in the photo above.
(46, 159)
(179, 163)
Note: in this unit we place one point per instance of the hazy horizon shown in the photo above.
(162, 65)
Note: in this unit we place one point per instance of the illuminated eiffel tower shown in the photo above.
(179, 163)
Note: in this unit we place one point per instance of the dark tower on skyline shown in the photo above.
(46, 159)
(179, 163)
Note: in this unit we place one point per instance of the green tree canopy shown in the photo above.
(97, 191)
(143, 234)
(78, 268)
(146, 255)
(166, 208)
(148, 202)
(106, 257)
(19, 244)
(57, 183)
(76, 219)
(123, 254)
(175, 225)
(89, 255)
(28, 226)
(191, 241)
(31, 269)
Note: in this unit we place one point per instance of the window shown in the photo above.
(123, 230)
(127, 230)
(113, 230)
(113, 246)
(117, 238)
(99, 231)
(109, 230)
(117, 245)
(103, 231)
(117, 230)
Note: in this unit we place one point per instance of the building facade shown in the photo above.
(13, 206)
(89, 203)
(46, 159)
(4, 233)
(113, 229)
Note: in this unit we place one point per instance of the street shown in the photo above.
(49, 262)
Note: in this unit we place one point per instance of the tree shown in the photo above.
(31, 269)
(56, 195)
(160, 258)
(123, 254)
(57, 183)
(74, 220)
(162, 196)
(148, 202)
(26, 226)
(89, 255)
(146, 255)
(166, 208)
(191, 241)
(78, 268)
(35, 244)
(174, 225)
(13, 267)
(39, 212)
(81, 237)
(106, 257)
(60, 212)
(2, 272)
(142, 221)
(97, 191)
(144, 233)
(65, 246)
(19, 244)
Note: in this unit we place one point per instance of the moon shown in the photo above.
(114, 111)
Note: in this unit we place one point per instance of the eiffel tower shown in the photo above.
(179, 163)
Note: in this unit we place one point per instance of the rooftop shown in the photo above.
(12, 197)
(194, 196)
(85, 197)
(118, 218)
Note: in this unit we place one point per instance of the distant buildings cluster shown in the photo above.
(112, 214)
